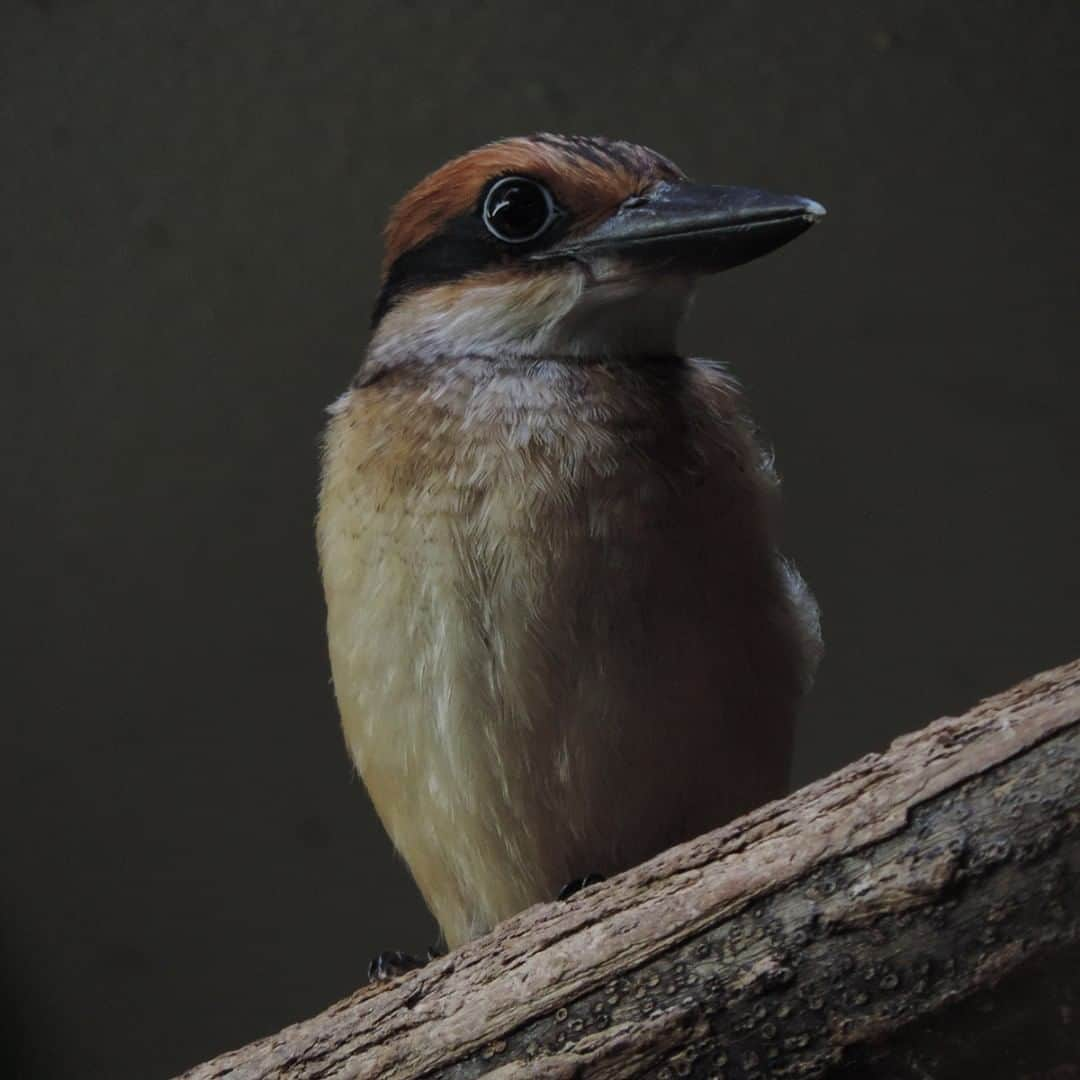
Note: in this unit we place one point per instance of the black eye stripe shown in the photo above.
(464, 245)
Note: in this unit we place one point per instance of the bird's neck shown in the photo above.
(481, 400)
(570, 316)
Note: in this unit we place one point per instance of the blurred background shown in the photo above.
(193, 195)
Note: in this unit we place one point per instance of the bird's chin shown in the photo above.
(589, 311)
(617, 273)
(625, 309)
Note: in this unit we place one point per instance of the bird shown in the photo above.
(562, 635)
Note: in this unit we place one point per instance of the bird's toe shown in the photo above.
(391, 963)
(572, 888)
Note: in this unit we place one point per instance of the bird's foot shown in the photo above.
(391, 963)
(572, 888)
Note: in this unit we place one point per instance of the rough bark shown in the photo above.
(916, 914)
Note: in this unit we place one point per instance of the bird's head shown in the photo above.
(562, 246)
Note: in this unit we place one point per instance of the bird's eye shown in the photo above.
(517, 209)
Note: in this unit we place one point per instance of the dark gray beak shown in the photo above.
(696, 228)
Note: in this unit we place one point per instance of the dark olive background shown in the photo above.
(192, 197)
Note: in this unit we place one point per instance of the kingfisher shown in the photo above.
(561, 632)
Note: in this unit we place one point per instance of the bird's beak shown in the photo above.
(695, 228)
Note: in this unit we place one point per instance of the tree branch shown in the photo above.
(916, 914)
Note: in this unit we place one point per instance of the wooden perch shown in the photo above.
(916, 914)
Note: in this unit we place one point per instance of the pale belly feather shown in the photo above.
(558, 645)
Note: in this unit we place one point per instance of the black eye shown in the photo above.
(517, 209)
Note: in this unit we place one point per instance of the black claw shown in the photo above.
(572, 888)
(390, 964)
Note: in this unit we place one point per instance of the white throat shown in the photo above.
(603, 310)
